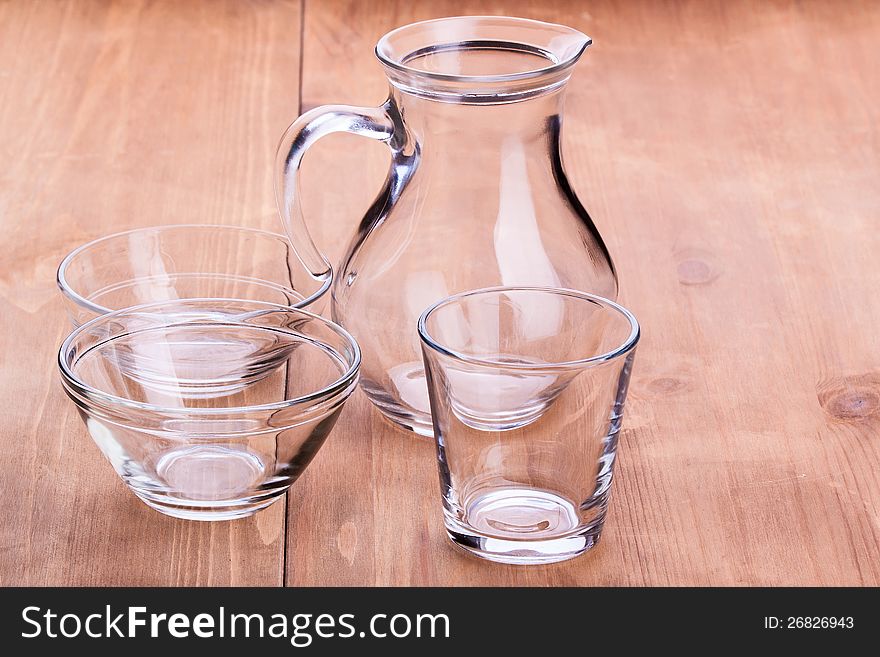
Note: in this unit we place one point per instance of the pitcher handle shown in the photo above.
(373, 122)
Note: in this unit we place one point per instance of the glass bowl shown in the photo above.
(208, 409)
(183, 262)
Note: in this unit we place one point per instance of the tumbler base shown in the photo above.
(522, 526)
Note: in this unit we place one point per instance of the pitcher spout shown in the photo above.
(567, 45)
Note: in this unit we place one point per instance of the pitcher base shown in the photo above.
(401, 416)
(408, 423)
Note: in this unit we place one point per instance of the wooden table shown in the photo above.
(730, 154)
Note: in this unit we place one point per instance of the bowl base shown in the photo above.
(206, 511)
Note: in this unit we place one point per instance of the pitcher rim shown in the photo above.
(382, 51)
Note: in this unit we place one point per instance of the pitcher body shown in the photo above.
(476, 195)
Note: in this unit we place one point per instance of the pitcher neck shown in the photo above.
(467, 128)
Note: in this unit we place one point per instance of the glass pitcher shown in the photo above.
(476, 195)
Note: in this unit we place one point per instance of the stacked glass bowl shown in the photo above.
(196, 367)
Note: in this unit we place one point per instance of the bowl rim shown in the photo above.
(69, 292)
(95, 396)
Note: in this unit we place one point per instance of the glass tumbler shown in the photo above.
(527, 387)
(208, 409)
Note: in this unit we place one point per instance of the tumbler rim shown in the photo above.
(625, 347)
(68, 291)
(93, 395)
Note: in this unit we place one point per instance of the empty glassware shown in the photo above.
(476, 193)
(209, 408)
(527, 388)
(163, 263)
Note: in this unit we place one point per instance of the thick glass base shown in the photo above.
(524, 553)
(522, 526)
(400, 415)
(409, 423)
(210, 511)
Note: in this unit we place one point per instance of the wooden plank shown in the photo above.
(727, 151)
(113, 116)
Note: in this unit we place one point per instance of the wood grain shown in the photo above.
(114, 116)
(729, 153)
